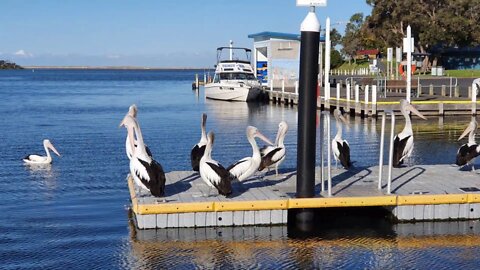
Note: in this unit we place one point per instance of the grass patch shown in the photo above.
(463, 73)
(347, 66)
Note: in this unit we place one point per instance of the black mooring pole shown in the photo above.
(307, 110)
(307, 106)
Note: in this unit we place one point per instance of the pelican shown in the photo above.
(340, 147)
(199, 148)
(145, 171)
(132, 111)
(467, 153)
(403, 141)
(246, 167)
(36, 159)
(273, 156)
(212, 172)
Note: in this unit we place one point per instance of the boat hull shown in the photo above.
(231, 92)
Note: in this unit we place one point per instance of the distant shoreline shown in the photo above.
(115, 67)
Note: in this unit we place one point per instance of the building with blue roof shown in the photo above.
(276, 57)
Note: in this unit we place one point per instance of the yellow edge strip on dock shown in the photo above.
(342, 202)
(432, 199)
(292, 203)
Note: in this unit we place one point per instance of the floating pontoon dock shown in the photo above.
(421, 192)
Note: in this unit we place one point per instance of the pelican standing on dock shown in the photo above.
(273, 156)
(467, 153)
(403, 141)
(37, 159)
(199, 149)
(246, 167)
(145, 171)
(340, 147)
(132, 111)
(212, 172)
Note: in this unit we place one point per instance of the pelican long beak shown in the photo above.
(131, 138)
(122, 123)
(53, 149)
(465, 132)
(415, 111)
(344, 120)
(263, 137)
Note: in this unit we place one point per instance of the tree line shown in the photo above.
(436, 25)
(9, 65)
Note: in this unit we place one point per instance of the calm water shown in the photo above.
(75, 213)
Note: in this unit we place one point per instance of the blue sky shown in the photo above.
(146, 33)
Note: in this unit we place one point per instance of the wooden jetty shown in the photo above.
(366, 104)
(419, 193)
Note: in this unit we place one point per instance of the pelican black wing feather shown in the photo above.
(466, 153)
(344, 154)
(398, 147)
(157, 178)
(267, 160)
(224, 187)
(196, 155)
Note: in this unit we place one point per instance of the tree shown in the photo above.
(335, 37)
(351, 41)
(436, 24)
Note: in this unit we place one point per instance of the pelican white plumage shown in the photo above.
(37, 159)
(273, 156)
(403, 142)
(212, 172)
(246, 167)
(145, 171)
(199, 149)
(132, 111)
(340, 147)
(467, 153)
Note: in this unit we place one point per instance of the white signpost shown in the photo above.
(398, 55)
(389, 61)
(408, 48)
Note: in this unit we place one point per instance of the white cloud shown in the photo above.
(23, 53)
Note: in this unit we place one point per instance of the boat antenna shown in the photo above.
(231, 50)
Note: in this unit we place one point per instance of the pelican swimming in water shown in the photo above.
(340, 147)
(273, 156)
(145, 171)
(246, 167)
(212, 172)
(197, 151)
(132, 111)
(403, 141)
(37, 159)
(467, 153)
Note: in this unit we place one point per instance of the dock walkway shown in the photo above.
(420, 192)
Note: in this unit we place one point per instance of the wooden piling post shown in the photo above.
(457, 91)
(440, 109)
(469, 92)
(444, 90)
(430, 91)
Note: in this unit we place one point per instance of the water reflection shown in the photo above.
(408, 245)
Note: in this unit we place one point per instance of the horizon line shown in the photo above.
(117, 67)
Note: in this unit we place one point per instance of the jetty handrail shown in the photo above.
(390, 154)
(326, 115)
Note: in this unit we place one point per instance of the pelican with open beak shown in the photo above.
(340, 147)
(37, 159)
(403, 141)
(246, 167)
(467, 153)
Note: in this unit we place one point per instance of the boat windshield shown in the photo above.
(237, 76)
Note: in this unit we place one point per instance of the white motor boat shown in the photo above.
(234, 79)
